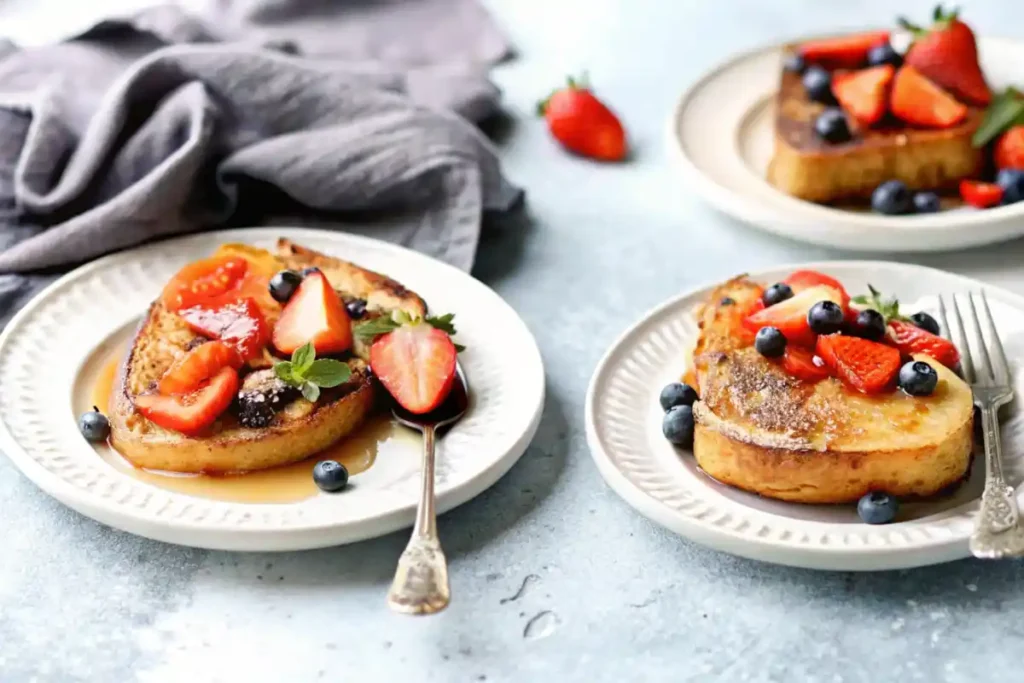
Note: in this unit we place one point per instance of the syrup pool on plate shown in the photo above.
(379, 438)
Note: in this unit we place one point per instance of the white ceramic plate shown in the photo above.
(50, 351)
(623, 423)
(722, 129)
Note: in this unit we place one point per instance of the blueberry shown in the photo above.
(284, 284)
(726, 301)
(869, 324)
(884, 54)
(926, 202)
(877, 508)
(892, 198)
(1012, 182)
(677, 394)
(677, 426)
(917, 378)
(825, 317)
(330, 475)
(356, 308)
(818, 84)
(832, 126)
(94, 425)
(770, 342)
(776, 294)
(795, 62)
(925, 322)
(309, 269)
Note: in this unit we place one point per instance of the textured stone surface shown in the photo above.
(612, 596)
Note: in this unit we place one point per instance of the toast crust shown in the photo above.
(300, 430)
(807, 167)
(761, 430)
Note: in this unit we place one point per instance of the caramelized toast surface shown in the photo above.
(297, 431)
(807, 167)
(765, 431)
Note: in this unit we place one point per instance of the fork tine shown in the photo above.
(985, 369)
(1001, 368)
(966, 362)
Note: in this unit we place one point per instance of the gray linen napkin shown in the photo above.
(348, 114)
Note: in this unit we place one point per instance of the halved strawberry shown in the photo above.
(239, 324)
(416, 364)
(203, 281)
(800, 363)
(790, 316)
(315, 314)
(979, 194)
(800, 280)
(864, 93)
(849, 51)
(197, 366)
(911, 339)
(920, 102)
(193, 412)
(864, 365)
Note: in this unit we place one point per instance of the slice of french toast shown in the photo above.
(805, 166)
(299, 428)
(762, 430)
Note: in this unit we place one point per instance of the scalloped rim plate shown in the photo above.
(722, 130)
(49, 348)
(623, 426)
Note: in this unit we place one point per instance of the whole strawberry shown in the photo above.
(947, 54)
(582, 123)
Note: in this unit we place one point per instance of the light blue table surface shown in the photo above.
(612, 596)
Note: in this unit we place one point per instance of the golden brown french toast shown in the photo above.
(760, 429)
(805, 166)
(298, 428)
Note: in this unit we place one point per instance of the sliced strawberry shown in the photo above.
(864, 365)
(314, 314)
(864, 93)
(847, 52)
(1009, 149)
(803, 364)
(805, 279)
(193, 412)
(239, 324)
(416, 364)
(911, 339)
(203, 281)
(197, 366)
(790, 316)
(920, 102)
(979, 194)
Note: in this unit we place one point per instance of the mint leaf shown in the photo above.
(443, 323)
(372, 329)
(1006, 110)
(327, 372)
(459, 348)
(310, 392)
(303, 357)
(284, 372)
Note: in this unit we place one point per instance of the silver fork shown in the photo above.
(997, 530)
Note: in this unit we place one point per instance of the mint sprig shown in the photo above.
(310, 374)
(371, 329)
(1006, 110)
(889, 308)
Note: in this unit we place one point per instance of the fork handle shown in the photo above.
(420, 585)
(998, 502)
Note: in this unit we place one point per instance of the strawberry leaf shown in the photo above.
(443, 323)
(372, 329)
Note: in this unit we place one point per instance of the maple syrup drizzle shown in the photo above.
(287, 484)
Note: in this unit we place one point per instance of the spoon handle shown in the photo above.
(421, 580)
